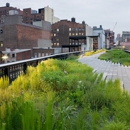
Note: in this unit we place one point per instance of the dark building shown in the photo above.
(30, 15)
(68, 34)
(110, 35)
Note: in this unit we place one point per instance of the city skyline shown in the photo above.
(94, 13)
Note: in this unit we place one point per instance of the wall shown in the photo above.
(89, 41)
(23, 55)
(28, 36)
(40, 52)
(42, 43)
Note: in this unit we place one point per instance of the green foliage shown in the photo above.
(59, 95)
(116, 56)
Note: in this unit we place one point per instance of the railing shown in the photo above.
(14, 69)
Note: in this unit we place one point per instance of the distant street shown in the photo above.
(109, 69)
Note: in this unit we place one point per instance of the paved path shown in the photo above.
(109, 69)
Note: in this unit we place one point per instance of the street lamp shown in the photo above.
(5, 57)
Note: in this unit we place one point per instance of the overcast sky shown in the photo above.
(93, 12)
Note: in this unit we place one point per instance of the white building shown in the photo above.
(99, 32)
(89, 39)
(49, 15)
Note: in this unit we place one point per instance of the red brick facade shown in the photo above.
(28, 36)
(23, 55)
(29, 17)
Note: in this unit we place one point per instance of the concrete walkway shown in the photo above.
(109, 69)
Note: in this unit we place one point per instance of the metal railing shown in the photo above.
(14, 69)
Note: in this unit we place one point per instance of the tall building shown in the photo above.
(68, 35)
(109, 36)
(46, 14)
(125, 35)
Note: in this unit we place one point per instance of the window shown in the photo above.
(69, 34)
(69, 29)
(1, 31)
(54, 34)
(57, 44)
(70, 43)
(57, 30)
(35, 55)
(57, 39)
(51, 44)
(1, 44)
(13, 55)
(39, 54)
(76, 34)
(54, 43)
(42, 54)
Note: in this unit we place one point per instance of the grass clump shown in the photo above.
(116, 56)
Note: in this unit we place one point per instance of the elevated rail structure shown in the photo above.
(14, 69)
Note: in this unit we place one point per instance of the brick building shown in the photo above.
(46, 14)
(29, 15)
(8, 10)
(69, 35)
(17, 35)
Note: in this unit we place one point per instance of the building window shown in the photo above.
(35, 55)
(70, 43)
(39, 54)
(42, 54)
(1, 44)
(69, 34)
(73, 34)
(54, 34)
(51, 44)
(69, 29)
(82, 33)
(57, 39)
(76, 34)
(79, 33)
(1, 31)
(57, 44)
(54, 43)
(13, 55)
(57, 30)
